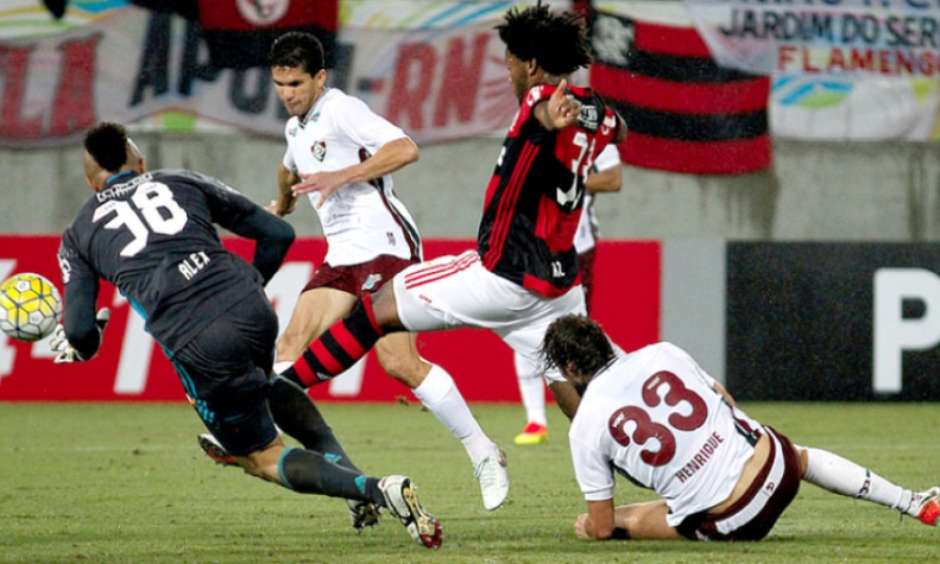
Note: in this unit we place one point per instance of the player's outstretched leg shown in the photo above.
(842, 476)
(435, 388)
(337, 349)
(401, 498)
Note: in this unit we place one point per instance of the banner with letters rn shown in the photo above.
(131, 367)
(833, 321)
(843, 69)
(437, 84)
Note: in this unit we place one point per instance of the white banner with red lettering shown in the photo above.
(130, 367)
(437, 84)
(844, 69)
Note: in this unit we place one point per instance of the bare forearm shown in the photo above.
(285, 198)
(608, 180)
(389, 158)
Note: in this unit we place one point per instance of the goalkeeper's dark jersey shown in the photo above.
(152, 236)
(533, 200)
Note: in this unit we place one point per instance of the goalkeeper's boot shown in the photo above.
(363, 514)
(401, 498)
(494, 479)
(214, 450)
(925, 506)
(533, 434)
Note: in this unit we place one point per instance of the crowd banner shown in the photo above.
(843, 69)
(685, 112)
(884, 37)
(131, 367)
(438, 84)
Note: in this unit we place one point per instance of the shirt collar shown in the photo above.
(119, 177)
(315, 109)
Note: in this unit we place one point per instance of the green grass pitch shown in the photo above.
(127, 483)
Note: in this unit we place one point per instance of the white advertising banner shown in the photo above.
(437, 84)
(843, 69)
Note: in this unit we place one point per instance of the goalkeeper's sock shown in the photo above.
(341, 346)
(296, 414)
(842, 476)
(306, 471)
(441, 397)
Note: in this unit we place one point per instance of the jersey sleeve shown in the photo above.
(366, 128)
(591, 468)
(226, 205)
(80, 283)
(695, 369)
(608, 158)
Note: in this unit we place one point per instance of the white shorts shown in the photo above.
(457, 291)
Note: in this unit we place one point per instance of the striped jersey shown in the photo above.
(654, 417)
(361, 220)
(534, 198)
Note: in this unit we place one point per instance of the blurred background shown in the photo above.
(781, 183)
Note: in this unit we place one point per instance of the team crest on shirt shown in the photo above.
(372, 282)
(319, 150)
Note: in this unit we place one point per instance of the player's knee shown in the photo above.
(385, 308)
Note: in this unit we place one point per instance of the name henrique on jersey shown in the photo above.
(534, 198)
(361, 220)
(585, 237)
(653, 417)
(152, 236)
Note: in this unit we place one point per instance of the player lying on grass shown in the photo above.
(151, 234)
(655, 417)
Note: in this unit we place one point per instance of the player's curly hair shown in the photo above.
(578, 342)
(557, 41)
(297, 49)
(107, 144)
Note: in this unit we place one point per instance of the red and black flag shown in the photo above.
(239, 33)
(684, 113)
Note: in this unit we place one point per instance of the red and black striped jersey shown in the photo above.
(534, 198)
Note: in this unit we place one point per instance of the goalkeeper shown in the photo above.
(151, 234)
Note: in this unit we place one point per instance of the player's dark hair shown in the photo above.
(578, 342)
(107, 144)
(557, 41)
(297, 49)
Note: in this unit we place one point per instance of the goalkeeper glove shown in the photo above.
(66, 353)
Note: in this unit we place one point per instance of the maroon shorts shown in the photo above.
(359, 279)
(754, 515)
(586, 268)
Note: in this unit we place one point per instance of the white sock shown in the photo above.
(282, 366)
(531, 389)
(839, 475)
(442, 398)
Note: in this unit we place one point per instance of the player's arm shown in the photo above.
(559, 111)
(566, 396)
(79, 336)
(723, 392)
(608, 180)
(390, 157)
(272, 235)
(286, 201)
(599, 523)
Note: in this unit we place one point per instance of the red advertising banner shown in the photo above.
(131, 367)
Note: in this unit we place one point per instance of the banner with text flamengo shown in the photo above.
(436, 84)
(843, 69)
(130, 367)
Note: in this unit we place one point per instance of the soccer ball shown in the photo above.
(30, 306)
